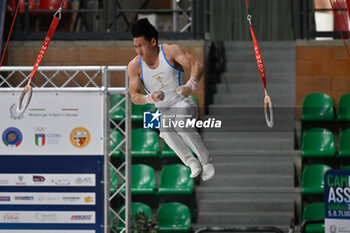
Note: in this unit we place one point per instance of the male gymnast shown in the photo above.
(157, 77)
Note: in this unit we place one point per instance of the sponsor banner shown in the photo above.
(47, 198)
(75, 217)
(65, 123)
(337, 199)
(47, 179)
(47, 231)
(74, 184)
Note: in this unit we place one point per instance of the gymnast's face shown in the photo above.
(144, 47)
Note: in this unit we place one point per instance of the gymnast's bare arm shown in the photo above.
(181, 59)
(176, 55)
(136, 87)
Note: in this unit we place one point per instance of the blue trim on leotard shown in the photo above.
(142, 76)
(180, 71)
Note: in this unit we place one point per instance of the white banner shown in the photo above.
(337, 225)
(65, 123)
(47, 231)
(81, 217)
(47, 198)
(47, 179)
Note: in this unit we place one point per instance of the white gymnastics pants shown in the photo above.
(180, 139)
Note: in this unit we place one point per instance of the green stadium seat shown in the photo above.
(312, 179)
(174, 217)
(113, 179)
(343, 108)
(175, 179)
(318, 142)
(314, 211)
(115, 139)
(137, 111)
(344, 143)
(144, 143)
(136, 208)
(167, 151)
(143, 179)
(118, 113)
(317, 107)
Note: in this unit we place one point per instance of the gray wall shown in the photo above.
(272, 19)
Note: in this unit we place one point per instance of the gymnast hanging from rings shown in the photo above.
(157, 77)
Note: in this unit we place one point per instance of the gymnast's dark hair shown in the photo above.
(142, 27)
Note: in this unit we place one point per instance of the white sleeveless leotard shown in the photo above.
(165, 77)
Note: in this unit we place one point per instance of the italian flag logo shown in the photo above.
(40, 140)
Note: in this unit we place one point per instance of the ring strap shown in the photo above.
(268, 109)
(44, 46)
(20, 109)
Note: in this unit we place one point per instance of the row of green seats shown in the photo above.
(320, 107)
(117, 108)
(319, 142)
(145, 143)
(174, 179)
(312, 179)
(314, 211)
(172, 217)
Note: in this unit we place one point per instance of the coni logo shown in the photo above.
(151, 120)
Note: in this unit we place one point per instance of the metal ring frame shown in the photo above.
(17, 110)
(268, 110)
